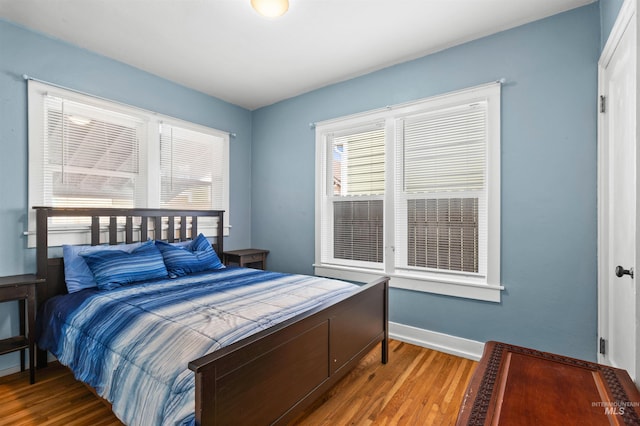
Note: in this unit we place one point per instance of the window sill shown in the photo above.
(447, 287)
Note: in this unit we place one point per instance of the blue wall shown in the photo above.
(548, 179)
(609, 10)
(25, 52)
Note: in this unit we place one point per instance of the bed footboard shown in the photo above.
(272, 376)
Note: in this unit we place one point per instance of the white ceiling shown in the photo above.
(225, 49)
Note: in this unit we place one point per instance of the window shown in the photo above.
(192, 168)
(413, 191)
(355, 210)
(88, 156)
(90, 152)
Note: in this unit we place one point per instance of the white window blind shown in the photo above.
(191, 168)
(440, 191)
(445, 151)
(91, 155)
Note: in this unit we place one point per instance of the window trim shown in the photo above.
(455, 284)
(78, 234)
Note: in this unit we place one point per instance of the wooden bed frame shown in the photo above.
(269, 377)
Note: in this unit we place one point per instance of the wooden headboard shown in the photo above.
(137, 225)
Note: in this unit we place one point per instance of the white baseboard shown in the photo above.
(453, 345)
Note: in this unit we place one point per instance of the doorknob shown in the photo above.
(620, 271)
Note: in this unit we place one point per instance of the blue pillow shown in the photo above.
(114, 268)
(195, 257)
(77, 274)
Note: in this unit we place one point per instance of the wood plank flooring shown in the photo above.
(417, 387)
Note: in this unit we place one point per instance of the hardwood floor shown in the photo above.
(55, 399)
(417, 387)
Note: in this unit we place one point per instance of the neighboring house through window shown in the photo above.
(413, 191)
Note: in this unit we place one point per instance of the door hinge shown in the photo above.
(603, 346)
(603, 103)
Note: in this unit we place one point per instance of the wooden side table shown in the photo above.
(248, 258)
(23, 289)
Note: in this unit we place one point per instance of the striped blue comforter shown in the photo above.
(133, 344)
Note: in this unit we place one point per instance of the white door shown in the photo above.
(618, 208)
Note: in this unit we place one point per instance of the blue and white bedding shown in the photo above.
(132, 344)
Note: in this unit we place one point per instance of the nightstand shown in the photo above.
(248, 258)
(23, 289)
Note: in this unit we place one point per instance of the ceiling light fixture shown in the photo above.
(270, 8)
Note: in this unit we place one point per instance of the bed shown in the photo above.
(266, 375)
